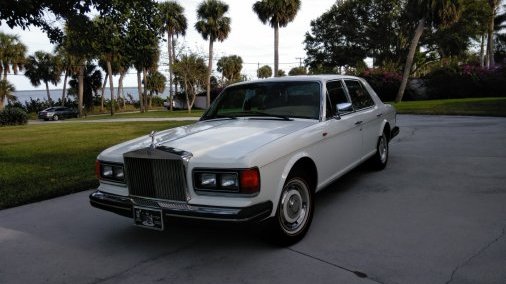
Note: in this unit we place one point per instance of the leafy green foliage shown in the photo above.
(466, 81)
(276, 13)
(92, 83)
(297, 71)
(385, 83)
(6, 92)
(156, 82)
(13, 116)
(264, 72)
(12, 54)
(42, 67)
(230, 67)
(212, 23)
(192, 71)
(26, 13)
(353, 30)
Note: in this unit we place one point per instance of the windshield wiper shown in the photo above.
(219, 116)
(259, 113)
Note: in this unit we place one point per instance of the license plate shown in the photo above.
(148, 218)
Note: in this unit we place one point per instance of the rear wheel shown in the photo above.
(380, 159)
(294, 212)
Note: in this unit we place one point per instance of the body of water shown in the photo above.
(55, 94)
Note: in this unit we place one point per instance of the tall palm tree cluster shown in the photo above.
(124, 38)
(127, 36)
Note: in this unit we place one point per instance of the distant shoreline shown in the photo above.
(41, 94)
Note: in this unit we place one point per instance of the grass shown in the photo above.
(38, 162)
(472, 106)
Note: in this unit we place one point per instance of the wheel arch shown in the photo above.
(301, 161)
(385, 128)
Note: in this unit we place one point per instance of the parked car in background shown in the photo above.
(57, 113)
(259, 153)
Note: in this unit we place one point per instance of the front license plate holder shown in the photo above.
(148, 218)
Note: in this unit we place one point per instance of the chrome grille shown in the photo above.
(153, 173)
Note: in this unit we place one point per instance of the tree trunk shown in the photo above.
(490, 44)
(209, 70)
(409, 59)
(81, 89)
(111, 85)
(120, 88)
(144, 93)
(139, 89)
(174, 58)
(47, 91)
(186, 91)
(171, 70)
(482, 51)
(64, 88)
(276, 49)
(103, 93)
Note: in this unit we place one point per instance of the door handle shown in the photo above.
(379, 115)
(358, 122)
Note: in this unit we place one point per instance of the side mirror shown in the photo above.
(344, 107)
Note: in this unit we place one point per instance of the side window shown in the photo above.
(360, 98)
(335, 95)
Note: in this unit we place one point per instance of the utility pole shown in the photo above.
(300, 60)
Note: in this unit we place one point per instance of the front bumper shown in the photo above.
(123, 205)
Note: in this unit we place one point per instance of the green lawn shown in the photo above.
(42, 161)
(472, 106)
(150, 114)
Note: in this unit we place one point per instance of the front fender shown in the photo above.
(286, 165)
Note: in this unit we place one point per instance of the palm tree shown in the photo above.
(6, 92)
(175, 24)
(230, 67)
(67, 64)
(213, 25)
(191, 69)
(264, 72)
(12, 54)
(42, 67)
(278, 13)
(434, 13)
(155, 84)
(91, 83)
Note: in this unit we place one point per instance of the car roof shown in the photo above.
(299, 78)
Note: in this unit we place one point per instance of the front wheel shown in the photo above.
(380, 159)
(295, 211)
(55, 117)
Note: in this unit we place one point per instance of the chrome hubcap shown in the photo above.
(294, 206)
(383, 149)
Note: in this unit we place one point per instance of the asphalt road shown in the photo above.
(436, 214)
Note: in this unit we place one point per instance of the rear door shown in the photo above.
(366, 115)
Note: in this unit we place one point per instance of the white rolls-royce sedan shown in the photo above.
(258, 154)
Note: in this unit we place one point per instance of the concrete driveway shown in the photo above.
(436, 214)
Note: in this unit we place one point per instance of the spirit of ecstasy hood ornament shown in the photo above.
(152, 135)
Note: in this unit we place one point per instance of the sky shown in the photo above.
(249, 38)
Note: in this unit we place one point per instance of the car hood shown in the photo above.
(223, 142)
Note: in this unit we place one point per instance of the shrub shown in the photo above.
(465, 81)
(13, 116)
(385, 83)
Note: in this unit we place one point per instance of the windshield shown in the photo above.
(270, 100)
